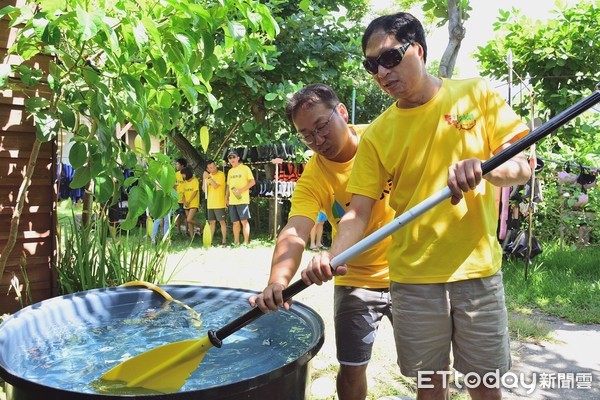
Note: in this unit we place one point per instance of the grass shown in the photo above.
(561, 283)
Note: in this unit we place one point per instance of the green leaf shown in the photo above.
(137, 201)
(268, 22)
(190, 92)
(304, 4)
(209, 43)
(29, 76)
(67, 117)
(140, 35)
(164, 99)
(186, 44)
(270, 96)
(78, 155)
(204, 138)
(212, 100)
(86, 25)
(237, 30)
(5, 70)
(40, 23)
(46, 126)
(103, 188)
(81, 178)
(51, 6)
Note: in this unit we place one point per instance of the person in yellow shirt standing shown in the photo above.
(445, 266)
(215, 203)
(362, 297)
(191, 199)
(237, 196)
(180, 164)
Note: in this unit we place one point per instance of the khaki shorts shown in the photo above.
(468, 315)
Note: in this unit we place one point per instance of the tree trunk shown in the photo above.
(189, 152)
(16, 217)
(456, 31)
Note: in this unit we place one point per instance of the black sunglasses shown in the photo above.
(388, 59)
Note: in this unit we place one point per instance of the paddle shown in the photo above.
(166, 368)
(207, 233)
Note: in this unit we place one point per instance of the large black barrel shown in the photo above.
(29, 332)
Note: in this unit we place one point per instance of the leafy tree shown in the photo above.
(560, 57)
(117, 61)
(557, 62)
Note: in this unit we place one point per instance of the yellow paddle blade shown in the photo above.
(163, 369)
(207, 236)
(197, 320)
(151, 286)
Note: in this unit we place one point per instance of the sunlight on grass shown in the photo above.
(525, 327)
(563, 283)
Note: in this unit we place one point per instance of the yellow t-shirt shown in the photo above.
(189, 187)
(323, 187)
(216, 196)
(414, 147)
(179, 181)
(239, 177)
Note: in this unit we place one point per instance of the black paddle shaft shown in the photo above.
(543, 131)
(216, 337)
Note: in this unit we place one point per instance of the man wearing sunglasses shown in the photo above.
(446, 281)
(361, 298)
(237, 197)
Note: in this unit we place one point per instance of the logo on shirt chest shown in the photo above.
(463, 122)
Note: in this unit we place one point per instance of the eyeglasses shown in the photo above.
(231, 156)
(321, 130)
(388, 59)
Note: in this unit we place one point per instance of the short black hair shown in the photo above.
(186, 173)
(182, 161)
(308, 96)
(404, 26)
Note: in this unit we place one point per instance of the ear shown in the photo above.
(343, 111)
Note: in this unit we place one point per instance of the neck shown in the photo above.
(429, 87)
(349, 149)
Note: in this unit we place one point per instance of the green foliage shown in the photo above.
(91, 256)
(561, 57)
(558, 217)
(562, 283)
(118, 61)
(439, 10)
(173, 67)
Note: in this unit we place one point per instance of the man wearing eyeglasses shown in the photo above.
(446, 281)
(361, 298)
(237, 197)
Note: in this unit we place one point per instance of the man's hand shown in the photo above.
(319, 270)
(463, 176)
(270, 299)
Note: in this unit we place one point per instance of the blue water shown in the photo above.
(72, 355)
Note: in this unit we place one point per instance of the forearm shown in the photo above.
(287, 257)
(515, 171)
(353, 224)
(248, 186)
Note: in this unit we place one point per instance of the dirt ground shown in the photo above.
(568, 367)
